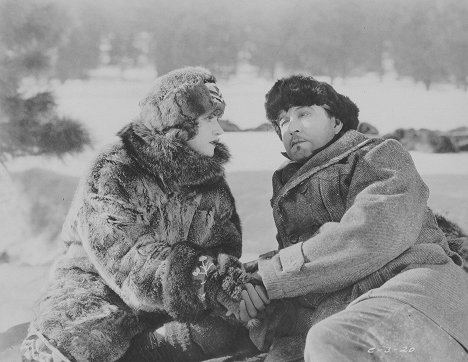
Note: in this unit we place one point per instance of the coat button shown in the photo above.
(293, 238)
(303, 188)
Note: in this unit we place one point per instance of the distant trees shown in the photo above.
(269, 34)
(29, 123)
(418, 44)
(456, 37)
(196, 33)
(80, 48)
(426, 40)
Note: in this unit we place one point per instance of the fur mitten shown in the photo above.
(197, 284)
(225, 284)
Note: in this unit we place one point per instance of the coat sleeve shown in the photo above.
(386, 204)
(138, 252)
(128, 245)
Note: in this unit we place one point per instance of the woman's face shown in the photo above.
(306, 129)
(208, 134)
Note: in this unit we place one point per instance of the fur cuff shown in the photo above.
(224, 286)
(180, 289)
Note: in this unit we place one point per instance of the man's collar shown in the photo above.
(334, 148)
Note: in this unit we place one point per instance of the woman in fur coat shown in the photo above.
(152, 235)
(363, 271)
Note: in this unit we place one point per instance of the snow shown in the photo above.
(105, 104)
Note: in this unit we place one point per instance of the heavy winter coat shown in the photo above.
(353, 221)
(148, 208)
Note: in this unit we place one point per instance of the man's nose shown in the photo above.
(295, 125)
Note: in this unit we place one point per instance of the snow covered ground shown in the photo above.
(105, 105)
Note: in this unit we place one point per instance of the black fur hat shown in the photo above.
(303, 90)
(178, 98)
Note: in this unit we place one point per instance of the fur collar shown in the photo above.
(170, 159)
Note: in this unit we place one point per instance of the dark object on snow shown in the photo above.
(229, 126)
(456, 238)
(367, 128)
(264, 127)
(424, 140)
(460, 137)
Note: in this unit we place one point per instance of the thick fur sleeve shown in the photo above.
(180, 292)
(134, 240)
(112, 221)
(226, 233)
(221, 237)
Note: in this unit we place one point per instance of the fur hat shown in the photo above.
(302, 90)
(178, 98)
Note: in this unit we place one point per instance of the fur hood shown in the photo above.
(170, 159)
(178, 98)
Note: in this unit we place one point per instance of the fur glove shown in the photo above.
(224, 286)
(197, 284)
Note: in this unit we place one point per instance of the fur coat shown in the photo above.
(140, 219)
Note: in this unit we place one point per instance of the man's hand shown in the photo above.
(254, 300)
(251, 266)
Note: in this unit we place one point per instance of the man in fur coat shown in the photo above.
(152, 235)
(363, 272)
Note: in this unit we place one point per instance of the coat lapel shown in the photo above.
(350, 142)
(342, 148)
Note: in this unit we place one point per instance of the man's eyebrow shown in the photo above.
(299, 108)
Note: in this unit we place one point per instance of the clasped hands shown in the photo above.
(254, 296)
(254, 300)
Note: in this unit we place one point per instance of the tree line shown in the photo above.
(426, 40)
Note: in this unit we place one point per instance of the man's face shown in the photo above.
(306, 129)
(208, 134)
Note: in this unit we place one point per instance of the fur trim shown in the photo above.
(302, 90)
(178, 98)
(457, 240)
(223, 286)
(180, 291)
(85, 319)
(170, 159)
